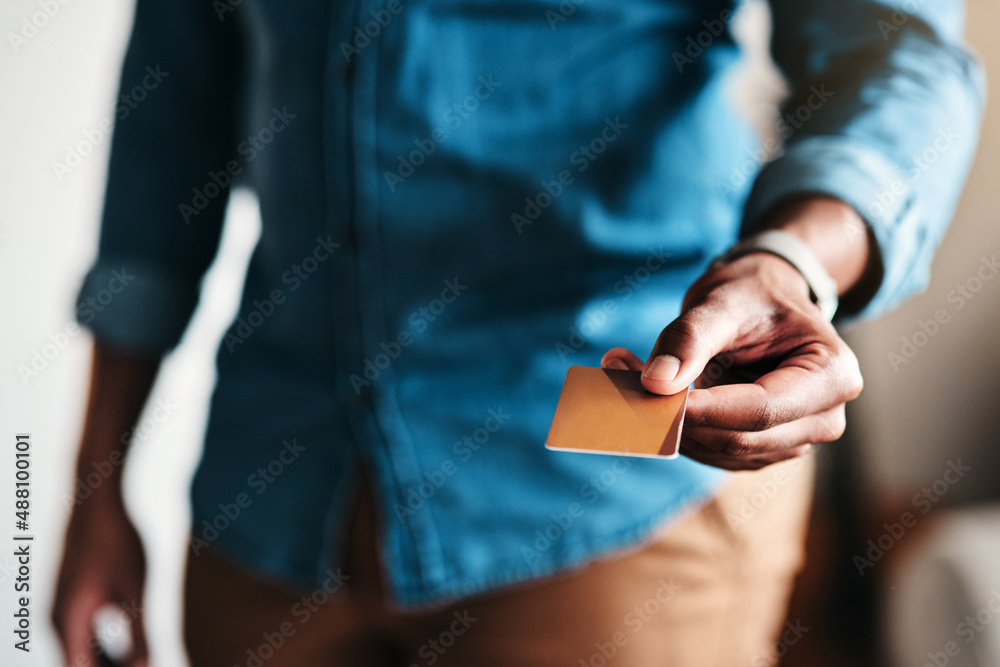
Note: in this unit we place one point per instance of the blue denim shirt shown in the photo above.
(461, 199)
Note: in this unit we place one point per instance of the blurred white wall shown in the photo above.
(58, 87)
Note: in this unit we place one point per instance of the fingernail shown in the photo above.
(616, 364)
(663, 368)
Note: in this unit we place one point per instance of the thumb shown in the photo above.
(685, 347)
(73, 620)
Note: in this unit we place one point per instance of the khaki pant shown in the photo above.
(710, 591)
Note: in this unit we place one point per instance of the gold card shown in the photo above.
(609, 412)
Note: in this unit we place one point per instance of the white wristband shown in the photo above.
(792, 249)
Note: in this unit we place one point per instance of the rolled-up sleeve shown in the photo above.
(167, 188)
(884, 113)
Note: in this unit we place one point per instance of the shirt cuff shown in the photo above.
(875, 187)
(136, 305)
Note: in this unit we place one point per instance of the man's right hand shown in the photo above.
(103, 564)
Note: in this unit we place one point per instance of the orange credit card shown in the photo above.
(609, 412)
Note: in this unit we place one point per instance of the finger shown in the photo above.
(812, 379)
(686, 345)
(698, 452)
(621, 359)
(74, 625)
(723, 369)
(826, 426)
